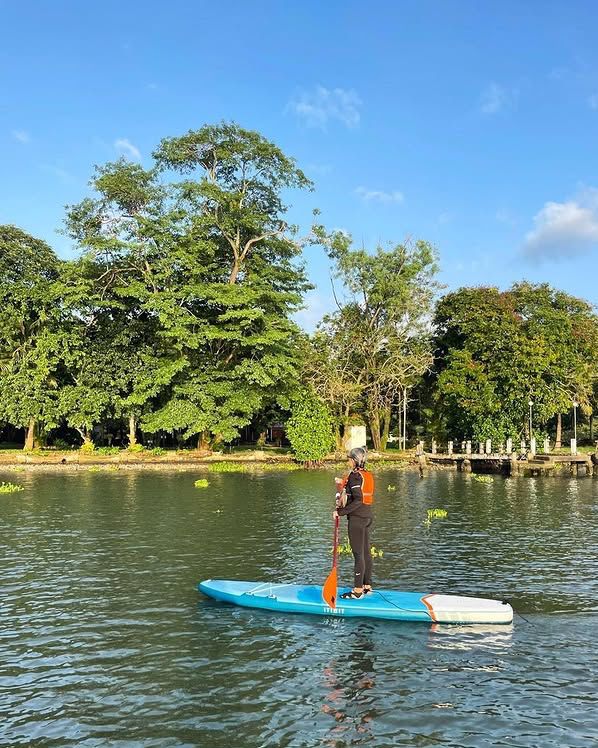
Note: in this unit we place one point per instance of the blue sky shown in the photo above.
(472, 125)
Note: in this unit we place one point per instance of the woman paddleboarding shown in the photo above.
(354, 499)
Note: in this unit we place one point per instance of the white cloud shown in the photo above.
(21, 136)
(57, 171)
(564, 230)
(127, 148)
(593, 101)
(379, 196)
(495, 99)
(318, 107)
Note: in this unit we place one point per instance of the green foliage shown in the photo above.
(136, 449)
(499, 350)
(10, 488)
(201, 483)
(368, 354)
(107, 450)
(87, 448)
(483, 478)
(310, 430)
(344, 549)
(436, 514)
(157, 452)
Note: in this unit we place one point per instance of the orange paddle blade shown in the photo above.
(329, 589)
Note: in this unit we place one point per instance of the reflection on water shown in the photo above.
(105, 641)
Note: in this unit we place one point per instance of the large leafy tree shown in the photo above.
(199, 248)
(381, 333)
(496, 351)
(31, 338)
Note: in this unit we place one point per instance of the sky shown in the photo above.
(471, 125)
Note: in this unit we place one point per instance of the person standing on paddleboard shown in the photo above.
(354, 500)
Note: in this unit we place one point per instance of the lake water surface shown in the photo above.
(105, 641)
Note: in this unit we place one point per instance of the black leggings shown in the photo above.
(359, 537)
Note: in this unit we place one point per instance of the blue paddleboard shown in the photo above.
(387, 604)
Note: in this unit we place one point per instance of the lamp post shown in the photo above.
(575, 404)
(531, 405)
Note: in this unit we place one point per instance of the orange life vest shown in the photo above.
(367, 488)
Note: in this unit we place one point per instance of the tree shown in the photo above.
(496, 351)
(31, 342)
(383, 330)
(211, 264)
(310, 429)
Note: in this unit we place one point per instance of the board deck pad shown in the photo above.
(385, 604)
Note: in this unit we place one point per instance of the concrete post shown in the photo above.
(523, 445)
(466, 467)
(509, 446)
(450, 448)
(467, 448)
(547, 446)
(420, 448)
(481, 448)
(532, 446)
(573, 446)
(434, 448)
(488, 446)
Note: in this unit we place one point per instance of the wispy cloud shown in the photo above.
(316, 108)
(379, 196)
(57, 171)
(21, 136)
(564, 230)
(127, 148)
(495, 98)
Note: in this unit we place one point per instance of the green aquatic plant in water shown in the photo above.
(483, 478)
(10, 488)
(345, 549)
(436, 514)
(391, 488)
(201, 483)
(243, 467)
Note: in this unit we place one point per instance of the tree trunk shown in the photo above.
(30, 436)
(132, 430)
(375, 430)
(203, 442)
(592, 428)
(232, 279)
(559, 431)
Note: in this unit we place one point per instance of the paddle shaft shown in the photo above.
(335, 542)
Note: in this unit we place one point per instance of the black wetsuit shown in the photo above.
(360, 518)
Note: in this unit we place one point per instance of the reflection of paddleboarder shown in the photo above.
(354, 499)
(349, 699)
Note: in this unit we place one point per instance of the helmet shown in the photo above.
(359, 456)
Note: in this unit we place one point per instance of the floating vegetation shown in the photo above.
(483, 478)
(201, 483)
(244, 467)
(436, 514)
(94, 469)
(10, 488)
(227, 467)
(345, 549)
(391, 488)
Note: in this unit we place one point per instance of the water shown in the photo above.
(104, 640)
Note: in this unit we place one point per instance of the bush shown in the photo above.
(136, 448)
(87, 448)
(158, 451)
(310, 430)
(107, 450)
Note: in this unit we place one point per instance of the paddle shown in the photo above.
(331, 583)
